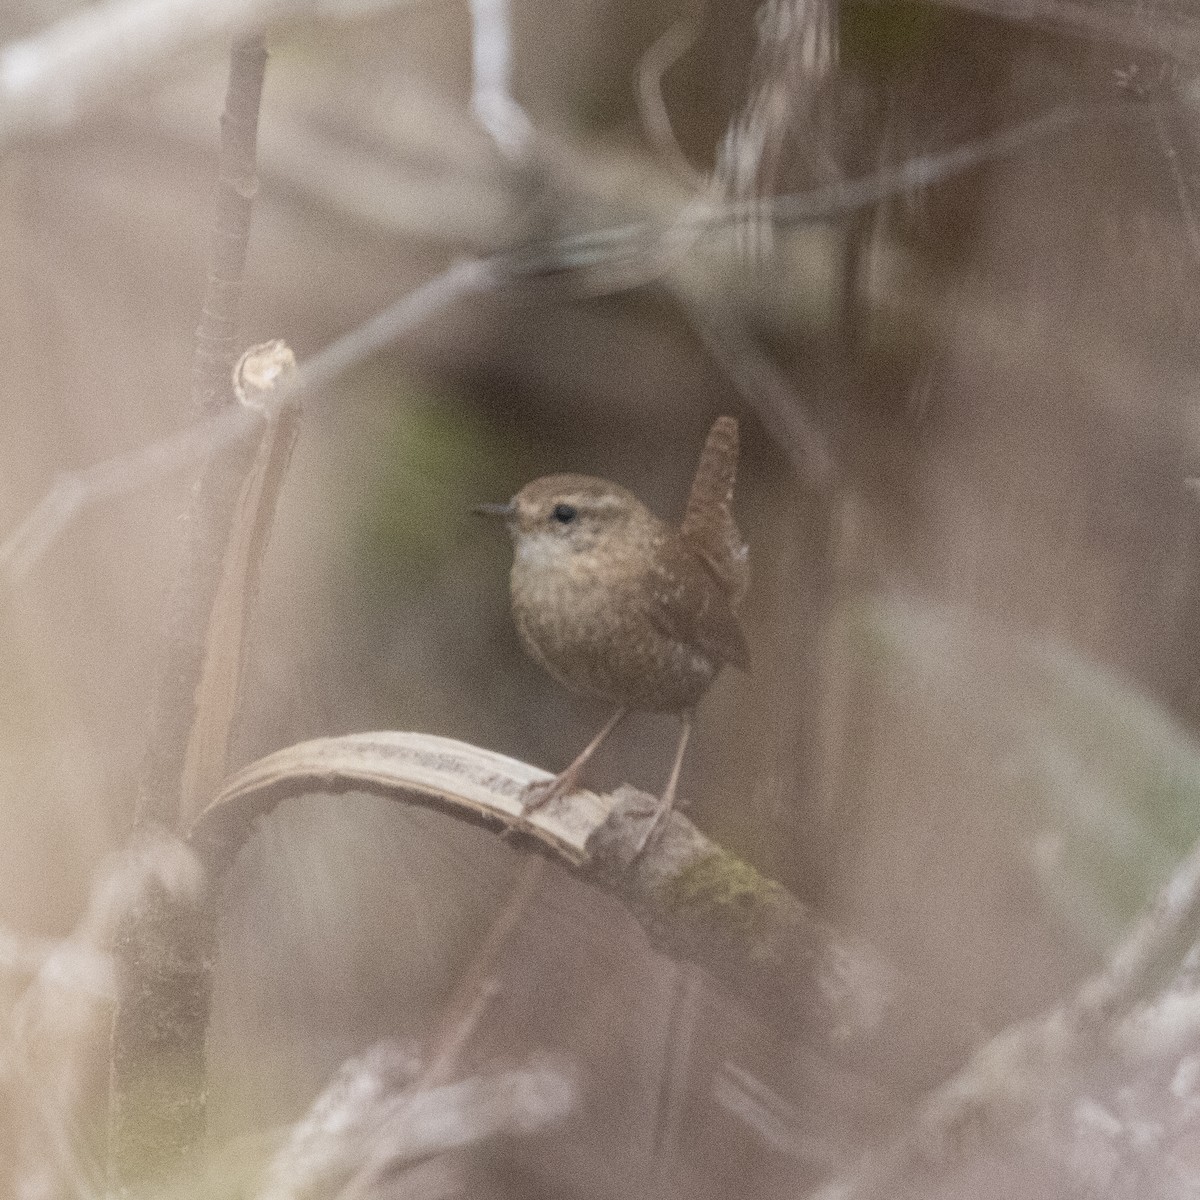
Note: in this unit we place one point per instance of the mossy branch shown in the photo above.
(697, 903)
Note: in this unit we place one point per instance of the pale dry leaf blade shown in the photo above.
(475, 783)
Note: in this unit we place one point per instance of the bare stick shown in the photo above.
(208, 521)
(217, 346)
(162, 946)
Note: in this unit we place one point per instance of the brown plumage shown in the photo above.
(614, 602)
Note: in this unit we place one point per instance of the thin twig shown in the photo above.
(217, 347)
(1007, 1078)
(491, 79)
(633, 254)
(75, 67)
(477, 987)
(214, 498)
(75, 491)
(662, 55)
(620, 250)
(766, 389)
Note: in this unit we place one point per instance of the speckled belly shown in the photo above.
(613, 649)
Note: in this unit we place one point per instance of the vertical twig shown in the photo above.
(477, 985)
(163, 949)
(468, 1003)
(215, 496)
(217, 346)
(794, 60)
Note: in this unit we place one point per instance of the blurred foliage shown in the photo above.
(1109, 781)
(885, 39)
(442, 457)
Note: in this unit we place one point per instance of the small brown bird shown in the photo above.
(616, 603)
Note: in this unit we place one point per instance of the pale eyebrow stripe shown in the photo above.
(595, 503)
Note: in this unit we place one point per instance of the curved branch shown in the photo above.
(695, 900)
(475, 785)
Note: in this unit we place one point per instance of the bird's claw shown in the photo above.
(653, 829)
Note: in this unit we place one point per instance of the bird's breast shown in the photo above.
(591, 625)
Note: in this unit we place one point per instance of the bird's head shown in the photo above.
(560, 518)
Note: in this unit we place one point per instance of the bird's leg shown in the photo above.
(668, 797)
(564, 783)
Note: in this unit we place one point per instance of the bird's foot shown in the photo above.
(653, 828)
(541, 793)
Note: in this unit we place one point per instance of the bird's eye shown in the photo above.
(564, 514)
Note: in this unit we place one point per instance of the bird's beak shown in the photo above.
(496, 510)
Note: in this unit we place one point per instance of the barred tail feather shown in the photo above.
(708, 525)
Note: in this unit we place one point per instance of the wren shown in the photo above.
(614, 602)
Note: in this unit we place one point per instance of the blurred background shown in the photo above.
(969, 432)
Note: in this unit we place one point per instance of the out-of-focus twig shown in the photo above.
(793, 62)
(781, 409)
(23, 954)
(63, 74)
(782, 1125)
(176, 702)
(58, 1021)
(1009, 1077)
(665, 51)
(73, 492)
(631, 255)
(1174, 35)
(623, 254)
(1183, 180)
(477, 986)
(370, 1114)
(678, 1041)
(52, 79)
(491, 78)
